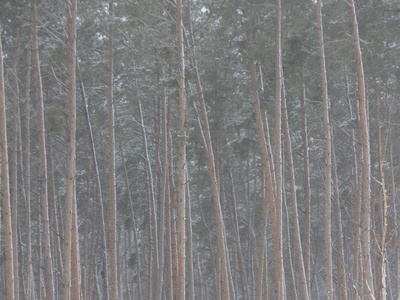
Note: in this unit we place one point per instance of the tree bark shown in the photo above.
(30, 283)
(382, 292)
(99, 192)
(181, 199)
(242, 269)
(205, 130)
(366, 159)
(190, 295)
(163, 191)
(5, 184)
(341, 264)
(277, 223)
(293, 197)
(134, 228)
(152, 210)
(42, 160)
(71, 276)
(111, 161)
(14, 171)
(328, 159)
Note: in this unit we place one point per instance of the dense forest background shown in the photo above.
(199, 149)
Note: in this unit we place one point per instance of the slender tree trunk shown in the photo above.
(366, 159)
(277, 224)
(89, 197)
(181, 199)
(42, 160)
(71, 276)
(53, 199)
(152, 209)
(163, 177)
(268, 176)
(111, 159)
(14, 172)
(341, 263)
(205, 130)
(293, 290)
(396, 287)
(30, 283)
(356, 198)
(242, 269)
(293, 197)
(383, 247)
(190, 295)
(328, 160)
(99, 193)
(134, 229)
(172, 215)
(307, 188)
(5, 184)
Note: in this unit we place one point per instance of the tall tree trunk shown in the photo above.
(14, 171)
(242, 269)
(111, 160)
(88, 207)
(5, 184)
(293, 197)
(293, 290)
(134, 229)
(163, 191)
(277, 223)
(267, 162)
(205, 130)
(181, 210)
(383, 246)
(171, 206)
(99, 193)
(366, 159)
(356, 199)
(307, 187)
(190, 295)
(42, 160)
(30, 283)
(152, 210)
(341, 267)
(328, 159)
(71, 276)
(53, 198)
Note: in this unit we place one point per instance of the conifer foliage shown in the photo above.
(198, 149)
